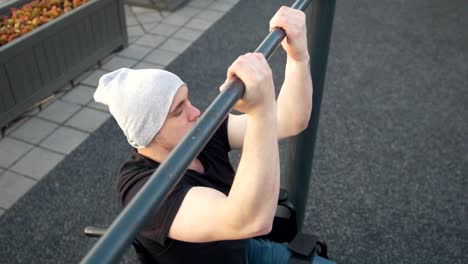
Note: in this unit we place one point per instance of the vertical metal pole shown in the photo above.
(300, 152)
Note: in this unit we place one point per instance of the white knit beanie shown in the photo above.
(139, 100)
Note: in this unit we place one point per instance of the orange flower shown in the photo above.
(32, 15)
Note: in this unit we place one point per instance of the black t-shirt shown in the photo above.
(218, 175)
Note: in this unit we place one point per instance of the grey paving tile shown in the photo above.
(175, 45)
(64, 140)
(132, 39)
(147, 18)
(200, 24)
(34, 130)
(221, 6)
(14, 125)
(188, 11)
(165, 29)
(88, 119)
(58, 111)
(37, 163)
(161, 57)
(99, 106)
(150, 40)
(200, 3)
(93, 78)
(127, 8)
(129, 13)
(131, 21)
(149, 26)
(12, 187)
(1, 171)
(175, 19)
(81, 95)
(188, 34)
(211, 15)
(11, 150)
(135, 30)
(165, 13)
(104, 60)
(118, 62)
(79, 78)
(135, 52)
(60, 92)
(146, 65)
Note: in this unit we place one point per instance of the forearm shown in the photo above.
(254, 193)
(295, 98)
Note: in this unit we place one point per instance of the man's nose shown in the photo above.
(194, 113)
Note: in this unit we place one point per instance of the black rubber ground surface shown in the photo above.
(391, 161)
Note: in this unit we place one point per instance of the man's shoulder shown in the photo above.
(136, 169)
(137, 163)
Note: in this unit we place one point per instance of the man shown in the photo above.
(213, 213)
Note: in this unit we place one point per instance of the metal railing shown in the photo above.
(133, 218)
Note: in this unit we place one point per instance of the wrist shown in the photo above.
(264, 112)
(300, 60)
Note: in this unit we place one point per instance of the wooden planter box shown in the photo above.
(35, 65)
(169, 5)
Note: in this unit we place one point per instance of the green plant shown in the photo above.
(32, 15)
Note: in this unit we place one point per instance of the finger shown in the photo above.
(288, 19)
(280, 19)
(231, 70)
(223, 86)
(260, 66)
(239, 68)
(259, 55)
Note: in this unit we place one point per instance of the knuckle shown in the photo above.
(259, 55)
(283, 20)
(242, 59)
(269, 73)
(302, 19)
(266, 71)
(302, 14)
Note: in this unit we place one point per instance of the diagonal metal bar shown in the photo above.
(132, 219)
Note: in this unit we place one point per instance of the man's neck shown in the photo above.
(155, 153)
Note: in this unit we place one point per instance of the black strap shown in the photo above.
(304, 247)
(303, 244)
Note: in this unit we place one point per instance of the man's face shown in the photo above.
(182, 116)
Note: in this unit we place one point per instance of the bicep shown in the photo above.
(237, 124)
(204, 216)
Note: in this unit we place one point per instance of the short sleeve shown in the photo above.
(157, 228)
(221, 136)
